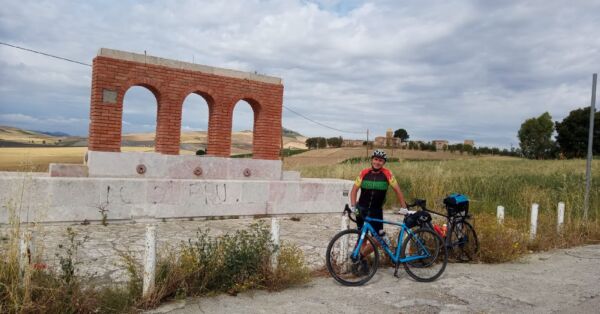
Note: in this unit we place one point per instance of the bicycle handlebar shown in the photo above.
(423, 205)
(348, 211)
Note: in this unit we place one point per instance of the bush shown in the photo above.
(231, 263)
(205, 265)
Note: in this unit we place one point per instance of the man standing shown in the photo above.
(373, 183)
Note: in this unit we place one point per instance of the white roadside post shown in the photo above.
(344, 243)
(500, 214)
(534, 217)
(275, 240)
(149, 260)
(24, 243)
(560, 217)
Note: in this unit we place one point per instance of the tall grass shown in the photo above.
(514, 183)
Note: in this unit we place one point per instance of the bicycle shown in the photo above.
(460, 239)
(422, 253)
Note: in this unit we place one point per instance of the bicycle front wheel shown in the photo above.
(341, 265)
(428, 255)
(463, 242)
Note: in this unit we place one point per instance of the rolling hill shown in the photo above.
(190, 141)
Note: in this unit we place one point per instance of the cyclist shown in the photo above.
(373, 183)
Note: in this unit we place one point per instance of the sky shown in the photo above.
(449, 70)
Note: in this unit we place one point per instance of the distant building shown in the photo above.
(389, 138)
(440, 144)
(470, 142)
(379, 141)
(352, 143)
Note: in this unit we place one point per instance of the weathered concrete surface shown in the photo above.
(68, 170)
(161, 166)
(98, 255)
(129, 56)
(58, 199)
(564, 281)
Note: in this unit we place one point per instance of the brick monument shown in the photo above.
(114, 72)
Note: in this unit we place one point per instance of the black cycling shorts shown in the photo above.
(376, 213)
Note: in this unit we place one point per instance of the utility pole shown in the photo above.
(588, 170)
(367, 144)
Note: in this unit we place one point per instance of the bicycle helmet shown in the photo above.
(379, 154)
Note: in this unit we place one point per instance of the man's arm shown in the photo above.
(353, 194)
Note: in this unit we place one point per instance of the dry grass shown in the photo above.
(333, 156)
(511, 240)
(37, 159)
(231, 263)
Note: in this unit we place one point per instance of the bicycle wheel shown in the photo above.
(339, 261)
(429, 246)
(463, 242)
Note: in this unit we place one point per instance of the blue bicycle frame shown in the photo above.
(394, 256)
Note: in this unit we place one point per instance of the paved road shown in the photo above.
(563, 281)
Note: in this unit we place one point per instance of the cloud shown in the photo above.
(442, 70)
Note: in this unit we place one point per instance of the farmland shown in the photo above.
(489, 181)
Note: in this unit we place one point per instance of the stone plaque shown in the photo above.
(109, 96)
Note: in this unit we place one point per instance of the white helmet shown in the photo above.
(379, 154)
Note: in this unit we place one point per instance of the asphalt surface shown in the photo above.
(561, 281)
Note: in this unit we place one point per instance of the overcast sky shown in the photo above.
(440, 69)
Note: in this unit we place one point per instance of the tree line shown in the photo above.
(321, 142)
(571, 140)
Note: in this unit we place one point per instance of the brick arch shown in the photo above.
(207, 95)
(114, 71)
(121, 105)
(256, 109)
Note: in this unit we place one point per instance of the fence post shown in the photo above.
(344, 243)
(534, 217)
(560, 218)
(149, 260)
(500, 214)
(275, 240)
(24, 242)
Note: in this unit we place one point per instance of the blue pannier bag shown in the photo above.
(457, 204)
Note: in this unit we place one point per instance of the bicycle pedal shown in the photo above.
(396, 271)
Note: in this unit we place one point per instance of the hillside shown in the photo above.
(241, 142)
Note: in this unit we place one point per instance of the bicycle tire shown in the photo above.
(332, 266)
(436, 248)
(463, 241)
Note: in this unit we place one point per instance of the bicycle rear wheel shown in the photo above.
(463, 242)
(339, 261)
(430, 252)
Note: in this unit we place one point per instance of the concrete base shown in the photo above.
(59, 199)
(159, 166)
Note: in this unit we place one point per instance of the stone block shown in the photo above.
(68, 170)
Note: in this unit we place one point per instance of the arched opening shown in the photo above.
(138, 130)
(242, 129)
(194, 124)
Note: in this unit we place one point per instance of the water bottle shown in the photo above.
(385, 238)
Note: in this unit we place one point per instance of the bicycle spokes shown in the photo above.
(349, 269)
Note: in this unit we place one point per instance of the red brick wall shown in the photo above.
(171, 86)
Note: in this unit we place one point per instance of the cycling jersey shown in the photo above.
(373, 187)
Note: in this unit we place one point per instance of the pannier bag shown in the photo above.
(419, 218)
(457, 204)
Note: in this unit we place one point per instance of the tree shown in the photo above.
(573, 131)
(334, 141)
(311, 143)
(535, 136)
(401, 134)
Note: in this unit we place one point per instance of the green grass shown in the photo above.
(514, 184)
